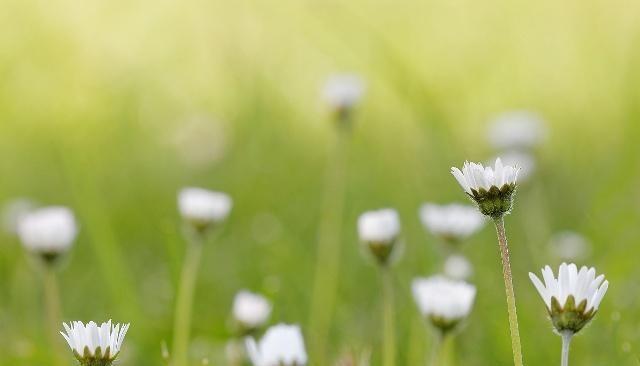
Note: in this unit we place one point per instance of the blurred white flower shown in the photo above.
(573, 298)
(569, 246)
(13, 211)
(523, 160)
(250, 310)
(282, 345)
(48, 231)
(491, 188)
(458, 267)
(453, 222)
(517, 129)
(445, 302)
(203, 208)
(95, 345)
(343, 91)
(379, 230)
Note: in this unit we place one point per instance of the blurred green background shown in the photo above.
(111, 106)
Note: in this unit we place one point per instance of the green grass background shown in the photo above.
(92, 92)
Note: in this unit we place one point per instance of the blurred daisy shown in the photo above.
(573, 298)
(453, 222)
(491, 188)
(444, 302)
(379, 231)
(13, 211)
(517, 129)
(457, 267)
(95, 345)
(250, 311)
(282, 345)
(525, 161)
(342, 92)
(569, 246)
(48, 232)
(202, 208)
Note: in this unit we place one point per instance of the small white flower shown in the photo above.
(95, 345)
(569, 245)
(453, 222)
(524, 161)
(282, 345)
(48, 231)
(491, 188)
(343, 91)
(443, 301)
(380, 226)
(573, 298)
(250, 310)
(203, 208)
(458, 267)
(517, 129)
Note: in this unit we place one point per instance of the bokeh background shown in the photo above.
(111, 106)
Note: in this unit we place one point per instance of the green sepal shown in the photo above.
(570, 317)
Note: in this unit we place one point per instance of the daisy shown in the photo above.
(453, 222)
(250, 310)
(343, 91)
(95, 345)
(48, 231)
(444, 302)
(379, 230)
(202, 208)
(282, 345)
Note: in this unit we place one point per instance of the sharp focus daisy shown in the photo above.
(444, 302)
(379, 230)
(48, 231)
(458, 267)
(282, 345)
(202, 208)
(342, 92)
(95, 345)
(453, 222)
(492, 188)
(573, 298)
(517, 129)
(250, 311)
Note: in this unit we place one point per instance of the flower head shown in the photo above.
(250, 310)
(573, 298)
(95, 345)
(48, 232)
(491, 188)
(458, 267)
(379, 230)
(517, 129)
(453, 222)
(202, 208)
(282, 345)
(342, 92)
(443, 301)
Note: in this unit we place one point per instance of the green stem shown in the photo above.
(389, 348)
(52, 311)
(511, 297)
(436, 348)
(566, 343)
(184, 301)
(327, 265)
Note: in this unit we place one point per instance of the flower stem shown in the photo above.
(184, 301)
(389, 347)
(511, 297)
(52, 309)
(566, 343)
(327, 265)
(436, 348)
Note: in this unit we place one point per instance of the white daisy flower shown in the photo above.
(457, 267)
(453, 222)
(48, 231)
(250, 310)
(282, 345)
(491, 188)
(517, 129)
(573, 298)
(343, 91)
(379, 230)
(443, 301)
(95, 345)
(203, 208)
